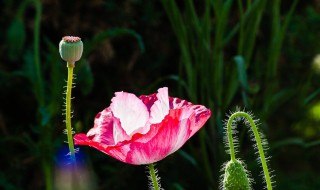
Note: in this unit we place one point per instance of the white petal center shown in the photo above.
(160, 108)
(131, 111)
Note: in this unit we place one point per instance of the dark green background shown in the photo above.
(130, 45)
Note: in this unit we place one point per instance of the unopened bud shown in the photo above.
(235, 176)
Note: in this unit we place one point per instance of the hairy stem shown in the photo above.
(257, 139)
(153, 177)
(68, 111)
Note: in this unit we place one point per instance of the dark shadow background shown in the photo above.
(120, 63)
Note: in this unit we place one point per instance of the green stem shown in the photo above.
(47, 173)
(68, 111)
(153, 177)
(258, 141)
(39, 93)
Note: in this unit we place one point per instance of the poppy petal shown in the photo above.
(131, 112)
(160, 108)
(102, 130)
(162, 140)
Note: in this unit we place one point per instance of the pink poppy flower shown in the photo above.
(144, 130)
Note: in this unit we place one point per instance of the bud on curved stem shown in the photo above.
(257, 138)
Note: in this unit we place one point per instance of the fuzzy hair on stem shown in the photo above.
(153, 178)
(261, 145)
(68, 113)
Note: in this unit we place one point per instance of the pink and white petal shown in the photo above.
(107, 129)
(81, 139)
(102, 130)
(183, 135)
(131, 111)
(118, 152)
(176, 103)
(192, 119)
(162, 140)
(160, 108)
(119, 134)
(171, 134)
(202, 114)
(148, 100)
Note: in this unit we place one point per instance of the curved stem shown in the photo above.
(68, 111)
(258, 141)
(153, 177)
(230, 140)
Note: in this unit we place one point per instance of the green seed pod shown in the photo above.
(71, 49)
(235, 176)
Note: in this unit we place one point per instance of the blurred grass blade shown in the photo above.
(242, 77)
(57, 77)
(311, 97)
(114, 32)
(188, 157)
(295, 141)
(178, 186)
(15, 39)
(176, 78)
(242, 74)
(85, 77)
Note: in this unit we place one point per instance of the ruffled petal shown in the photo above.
(118, 152)
(176, 103)
(149, 100)
(160, 108)
(164, 138)
(131, 112)
(102, 130)
(202, 114)
(181, 122)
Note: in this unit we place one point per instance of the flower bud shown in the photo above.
(71, 48)
(235, 176)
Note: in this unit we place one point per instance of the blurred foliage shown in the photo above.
(309, 126)
(257, 54)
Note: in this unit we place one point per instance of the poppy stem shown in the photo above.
(259, 144)
(155, 183)
(68, 111)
